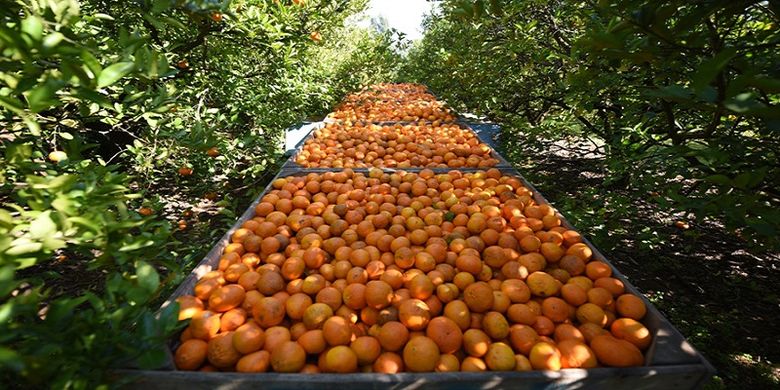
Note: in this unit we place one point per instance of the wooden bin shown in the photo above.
(671, 362)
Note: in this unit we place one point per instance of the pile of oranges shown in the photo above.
(383, 272)
(433, 145)
(392, 103)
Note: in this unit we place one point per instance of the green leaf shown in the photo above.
(113, 73)
(24, 248)
(33, 26)
(750, 179)
(43, 226)
(148, 279)
(710, 68)
(9, 358)
(719, 179)
(52, 40)
(42, 96)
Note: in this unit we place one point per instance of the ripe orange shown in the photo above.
(288, 357)
(545, 356)
(615, 352)
(421, 354)
(341, 359)
(445, 333)
(191, 354)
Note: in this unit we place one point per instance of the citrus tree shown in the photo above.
(106, 107)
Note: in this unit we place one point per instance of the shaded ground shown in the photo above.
(719, 293)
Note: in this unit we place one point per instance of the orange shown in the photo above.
(232, 319)
(248, 338)
(189, 306)
(191, 354)
(631, 306)
(313, 341)
(523, 338)
(296, 305)
(592, 313)
(555, 309)
(316, 314)
(337, 331)
(421, 354)
(254, 362)
(414, 314)
(632, 331)
(476, 342)
(448, 363)
(542, 284)
(597, 269)
(473, 363)
(288, 357)
(522, 363)
(221, 352)
(388, 363)
(459, 313)
(367, 349)
(478, 297)
(495, 325)
(500, 357)
(573, 294)
(268, 312)
(545, 356)
(516, 290)
(575, 354)
(341, 359)
(393, 335)
(226, 298)
(205, 325)
(445, 333)
(568, 332)
(614, 352)
(378, 294)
